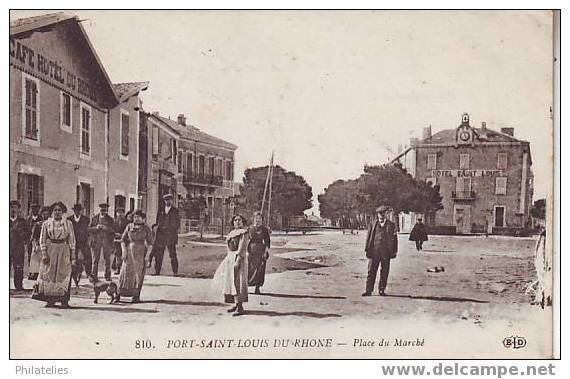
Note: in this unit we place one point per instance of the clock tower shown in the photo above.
(464, 132)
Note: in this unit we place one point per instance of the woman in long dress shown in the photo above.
(231, 276)
(258, 250)
(57, 246)
(36, 256)
(136, 243)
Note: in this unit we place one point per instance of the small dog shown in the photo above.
(76, 270)
(109, 287)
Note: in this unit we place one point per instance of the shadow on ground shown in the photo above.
(298, 313)
(293, 296)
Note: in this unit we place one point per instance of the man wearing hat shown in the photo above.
(102, 233)
(80, 224)
(32, 219)
(381, 247)
(168, 223)
(19, 237)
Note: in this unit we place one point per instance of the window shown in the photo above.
(501, 186)
(463, 185)
(464, 161)
(155, 141)
(120, 202)
(499, 216)
(31, 108)
(173, 150)
(65, 113)
(125, 125)
(180, 163)
(189, 163)
(229, 169)
(30, 190)
(502, 161)
(432, 161)
(85, 121)
(211, 166)
(85, 196)
(201, 165)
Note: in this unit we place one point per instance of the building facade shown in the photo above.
(60, 101)
(124, 148)
(197, 168)
(485, 178)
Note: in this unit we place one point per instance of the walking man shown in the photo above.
(381, 247)
(419, 234)
(168, 223)
(82, 257)
(19, 236)
(102, 233)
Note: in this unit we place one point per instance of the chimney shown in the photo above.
(484, 127)
(426, 133)
(414, 141)
(156, 113)
(181, 119)
(508, 131)
(400, 148)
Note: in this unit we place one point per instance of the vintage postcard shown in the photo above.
(282, 184)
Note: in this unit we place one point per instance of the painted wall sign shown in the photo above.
(466, 173)
(50, 69)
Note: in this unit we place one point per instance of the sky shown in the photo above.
(330, 91)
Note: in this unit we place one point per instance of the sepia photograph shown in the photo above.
(283, 184)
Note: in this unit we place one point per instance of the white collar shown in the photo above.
(13, 219)
(76, 217)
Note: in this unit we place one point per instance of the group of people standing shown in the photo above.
(245, 262)
(60, 249)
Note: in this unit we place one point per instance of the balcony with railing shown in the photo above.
(202, 179)
(463, 195)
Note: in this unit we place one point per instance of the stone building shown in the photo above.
(197, 168)
(485, 179)
(60, 102)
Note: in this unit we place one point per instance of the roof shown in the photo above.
(28, 25)
(449, 136)
(192, 133)
(126, 90)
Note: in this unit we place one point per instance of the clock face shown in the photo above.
(464, 135)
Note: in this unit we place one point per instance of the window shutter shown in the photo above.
(77, 194)
(125, 134)
(22, 194)
(459, 185)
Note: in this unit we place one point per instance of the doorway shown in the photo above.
(462, 218)
(499, 216)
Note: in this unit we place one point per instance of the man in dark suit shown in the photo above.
(102, 233)
(81, 230)
(121, 223)
(19, 236)
(381, 247)
(168, 223)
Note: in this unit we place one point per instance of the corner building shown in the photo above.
(485, 178)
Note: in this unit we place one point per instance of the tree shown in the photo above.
(538, 209)
(392, 185)
(290, 195)
(389, 185)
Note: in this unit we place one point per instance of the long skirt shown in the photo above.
(132, 272)
(54, 279)
(35, 261)
(223, 281)
(240, 279)
(256, 269)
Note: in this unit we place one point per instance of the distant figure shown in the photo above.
(419, 234)
(120, 225)
(258, 250)
(32, 219)
(381, 247)
(168, 223)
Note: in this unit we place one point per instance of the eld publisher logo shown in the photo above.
(514, 342)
